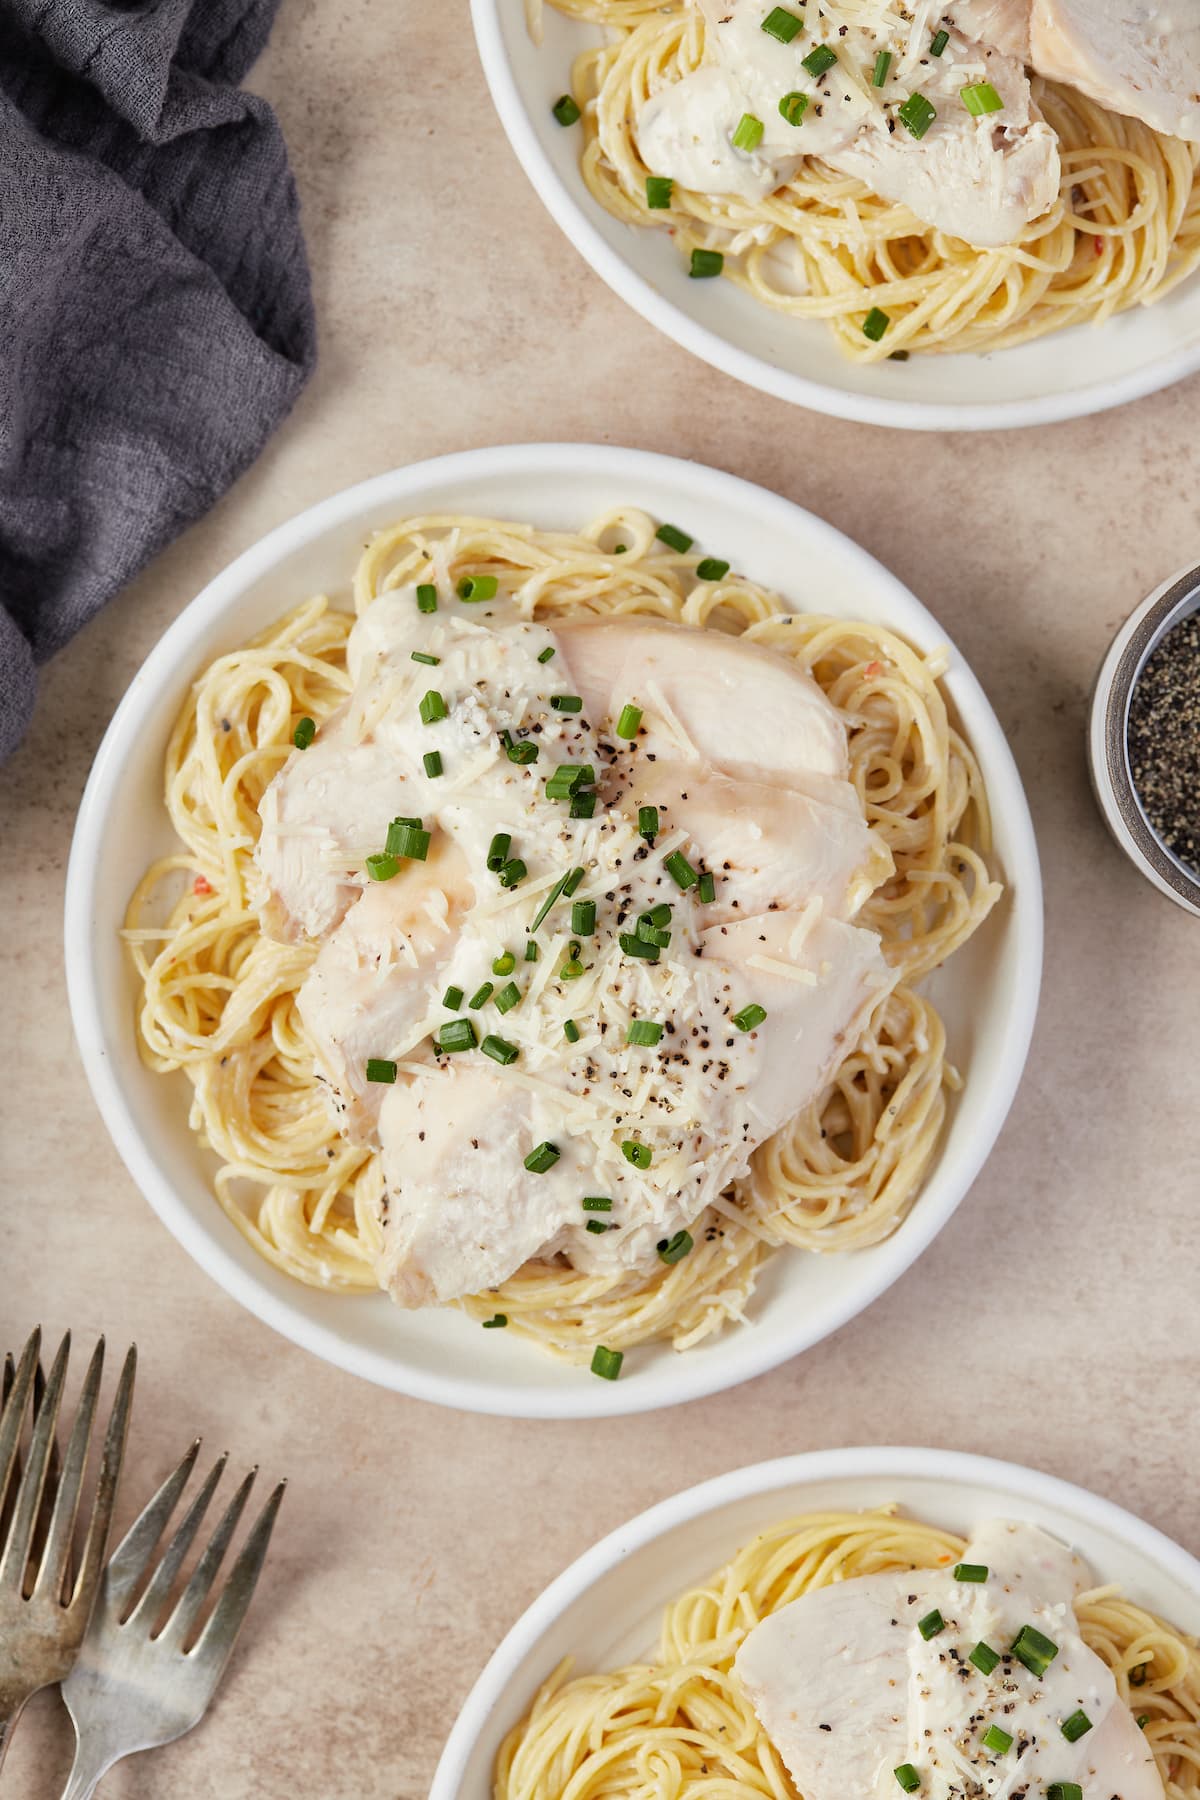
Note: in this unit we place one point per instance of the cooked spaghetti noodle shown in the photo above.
(1124, 232)
(682, 1726)
(218, 997)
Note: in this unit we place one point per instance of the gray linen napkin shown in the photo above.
(155, 310)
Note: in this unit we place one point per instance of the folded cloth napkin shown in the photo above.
(155, 310)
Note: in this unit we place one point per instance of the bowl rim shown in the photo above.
(805, 1468)
(572, 219)
(173, 660)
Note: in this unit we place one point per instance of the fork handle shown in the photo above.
(8, 1718)
(87, 1772)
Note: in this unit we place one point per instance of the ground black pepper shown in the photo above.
(1164, 740)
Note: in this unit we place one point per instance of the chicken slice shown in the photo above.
(1139, 57)
(1003, 24)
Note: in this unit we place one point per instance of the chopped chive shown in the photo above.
(673, 538)
(481, 996)
(630, 719)
(916, 114)
(541, 1157)
(648, 821)
(652, 934)
(898, 355)
(658, 915)
(305, 732)
(397, 825)
(426, 597)
(571, 970)
(500, 1050)
(931, 1624)
(432, 760)
(478, 587)
(523, 752)
(875, 324)
(659, 189)
(639, 947)
(572, 882)
(940, 40)
(498, 851)
(908, 1778)
(504, 964)
(748, 135)
(782, 24)
(818, 62)
(380, 1069)
(997, 1740)
(566, 777)
(644, 1032)
(1034, 1650)
(674, 1249)
(452, 999)
(1138, 1673)
(531, 951)
(596, 1203)
(984, 1657)
(423, 656)
(565, 110)
(711, 568)
(1064, 1790)
(597, 1227)
(513, 872)
(680, 870)
(640, 1155)
(566, 884)
(706, 893)
(1143, 1719)
(1077, 1726)
(793, 107)
(571, 1032)
(456, 1034)
(703, 266)
(409, 841)
(583, 917)
(607, 1363)
(583, 805)
(883, 63)
(433, 707)
(750, 1016)
(980, 99)
(382, 867)
(509, 996)
(566, 703)
(545, 655)
(970, 1572)
(497, 1322)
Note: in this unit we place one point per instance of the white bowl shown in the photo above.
(1064, 376)
(604, 1610)
(988, 993)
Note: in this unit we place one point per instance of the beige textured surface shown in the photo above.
(1055, 1322)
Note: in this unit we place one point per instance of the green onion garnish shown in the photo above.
(433, 707)
(639, 947)
(596, 1203)
(908, 1778)
(504, 964)
(509, 996)
(644, 1032)
(706, 893)
(523, 752)
(1143, 1719)
(514, 871)
(432, 760)
(545, 655)
(380, 1069)
(658, 915)
(566, 703)
(970, 1572)
(793, 107)
(500, 1050)
(481, 996)
(571, 1031)
(497, 1322)
(408, 840)
(818, 62)
(452, 999)
(563, 780)
(630, 719)
(651, 933)
(583, 917)
(382, 867)
(703, 266)
(1064, 1790)
(748, 135)
(423, 656)
(680, 870)
(673, 538)
(711, 568)
(916, 115)
(640, 1155)
(658, 192)
(566, 111)
(673, 1250)
(1138, 1673)
(981, 98)
(875, 324)
(984, 1657)
(883, 63)
(931, 1624)
(782, 24)
(572, 882)
(305, 732)
(997, 1740)
(571, 970)
(1034, 1650)
(583, 805)
(648, 821)
(1077, 1726)
(397, 825)
(498, 851)
(940, 40)
(597, 1227)
(750, 1016)
(541, 1157)
(478, 587)
(607, 1363)
(456, 1034)
(426, 597)
(531, 951)
(559, 888)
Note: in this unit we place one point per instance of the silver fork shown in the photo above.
(133, 1688)
(43, 1612)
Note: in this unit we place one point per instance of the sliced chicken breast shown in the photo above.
(1139, 57)
(1002, 24)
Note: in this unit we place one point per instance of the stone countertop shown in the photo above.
(454, 313)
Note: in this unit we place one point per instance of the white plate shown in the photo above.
(604, 1610)
(1084, 370)
(988, 992)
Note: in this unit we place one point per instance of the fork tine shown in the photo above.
(215, 1643)
(15, 1558)
(186, 1609)
(53, 1571)
(154, 1599)
(16, 1398)
(96, 1542)
(129, 1560)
